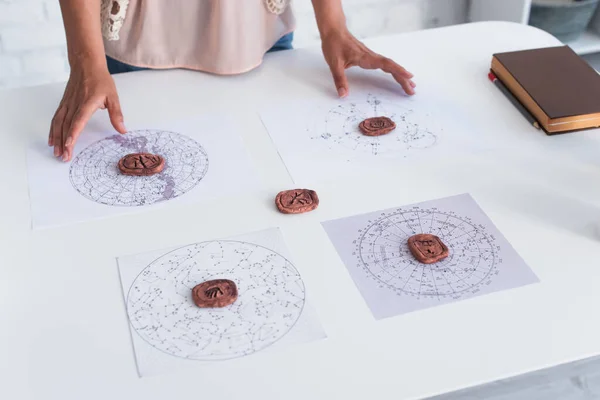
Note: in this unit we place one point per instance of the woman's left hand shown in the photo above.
(342, 51)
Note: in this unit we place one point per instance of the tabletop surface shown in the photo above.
(64, 329)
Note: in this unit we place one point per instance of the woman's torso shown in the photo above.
(217, 36)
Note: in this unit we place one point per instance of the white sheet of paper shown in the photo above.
(375, 251)
(322, 141)
(203, 161)
(168, 330)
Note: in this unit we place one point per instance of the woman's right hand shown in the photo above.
(88, 89)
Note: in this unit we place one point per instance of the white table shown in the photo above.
(64, 333)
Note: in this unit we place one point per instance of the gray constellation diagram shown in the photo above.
(95, 175)
(270, 301)
(339, 129)
(383, 255)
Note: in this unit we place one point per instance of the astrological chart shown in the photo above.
(167, 327)
(94, 173)
(202, 162)
(321, 140)
(374, 248)
(339, 129)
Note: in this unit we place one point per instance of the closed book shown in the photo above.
(558, 87)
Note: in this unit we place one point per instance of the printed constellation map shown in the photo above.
(161, 310)
(382, 252)
(374, 248)
(339, 128)
(95, 175)
(320, 140)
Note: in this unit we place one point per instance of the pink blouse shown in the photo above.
(217, 36)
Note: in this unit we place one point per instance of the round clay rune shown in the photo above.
(296, 201)
(215, 294)
(141, 164)
(377, 126)
(427, 248)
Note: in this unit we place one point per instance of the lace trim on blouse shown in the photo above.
(113, 14)
(277, 6)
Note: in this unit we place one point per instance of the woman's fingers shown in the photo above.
(54, 121)
(86, 91)
(407, 85)
(338, 71)
(80, 119)
(56, 130)
(401, 75)
(51, 133)
(66, 131)
(390, 66)
(114, 112)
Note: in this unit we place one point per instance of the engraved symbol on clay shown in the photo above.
(215, 293)
(296, 201)
(141, 164)
(377, 126)
(427, 248)
(300, 198)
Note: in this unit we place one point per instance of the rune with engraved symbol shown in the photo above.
(296, 201)
(141, 164)
(215, 294)
(427, 248)
(377, 126)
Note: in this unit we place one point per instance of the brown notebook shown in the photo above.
(556, 85)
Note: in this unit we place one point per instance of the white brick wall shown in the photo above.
(52, 8)
(32, 43)
(33, 46)
(369, 18)
(10, 66)
(28, 37)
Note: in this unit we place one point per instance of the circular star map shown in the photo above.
(339, 128)
(383, 253)
(94, 172)
(270, 301)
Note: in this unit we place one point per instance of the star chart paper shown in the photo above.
(168, 330)
(322, 141)
(202, 161)
(375, 251)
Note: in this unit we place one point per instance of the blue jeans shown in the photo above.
(117, 67)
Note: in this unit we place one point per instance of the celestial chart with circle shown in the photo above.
(383, 254)
(339, 128)
(270, 300)
(94, 172)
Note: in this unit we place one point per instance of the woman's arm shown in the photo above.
(330, 16)
(81, 19)
(90, 85)
(342, 50)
